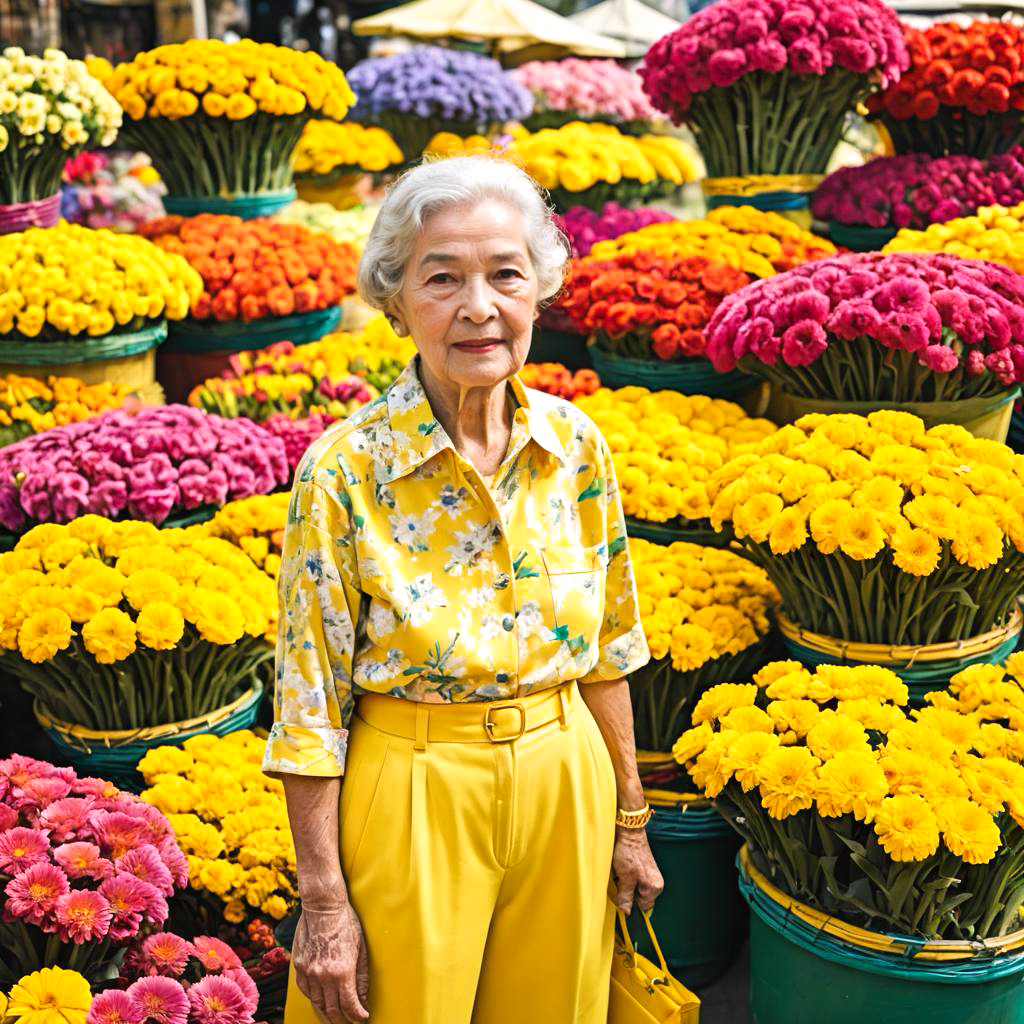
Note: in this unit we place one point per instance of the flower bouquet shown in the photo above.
(51, 109)
(646, 315)
(867, 205)
(146, 463)
(430, 89)
(929, 333)
(49, 991)
(964, 92)
(766, 87)
(84, 871)
(584, 164)
(328, 151)
(888, 542)
(119, 192)
(665, 447)
(760, 244)
(555, 379)
(350, 226)
(706, 614)
(900, 822)
(221, 121)
(585, 90)
(585, 227)
(256, 525)
(29, 406)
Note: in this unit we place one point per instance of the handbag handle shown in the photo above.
(628, 939)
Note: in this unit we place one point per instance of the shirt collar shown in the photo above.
(417, 435)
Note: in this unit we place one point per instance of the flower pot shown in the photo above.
(36, 213)
(114, 754)
(687, 376)
(196, 351)
(987, 417)
(807, 968)
(245, 205)
(699, 918)
(923, 668)
(859, 237)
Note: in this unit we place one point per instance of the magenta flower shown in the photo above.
(144, 862)
(8, 817)
(803, 343)
(114, 1007)
(117, 832)
(939, 359)
(217, 1000)
(21, 848)
(67, 818)
(83, 860)
(176, 861)
(33, 894)
(215, 955)
(166, 954)
(161, 1000)
(241, 977)
(82, 915)
(129, 899)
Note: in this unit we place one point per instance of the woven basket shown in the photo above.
(36, 213)
(859, 237)
(246, 206)
(688, 377)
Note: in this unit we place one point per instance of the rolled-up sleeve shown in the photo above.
(622, 646)
(319, 595)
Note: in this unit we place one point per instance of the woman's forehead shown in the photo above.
(490, 227)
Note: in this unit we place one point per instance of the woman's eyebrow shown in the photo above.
(509, 256)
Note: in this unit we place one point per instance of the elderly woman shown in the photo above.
(453, 724)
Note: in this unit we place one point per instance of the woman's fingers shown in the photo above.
(363, 972)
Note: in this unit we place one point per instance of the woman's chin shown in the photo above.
(481, 369)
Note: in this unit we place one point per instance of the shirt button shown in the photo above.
(508, 623)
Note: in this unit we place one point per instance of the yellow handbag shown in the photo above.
(643, 992)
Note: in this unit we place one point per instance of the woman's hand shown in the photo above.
(637, 878)
(331, 967)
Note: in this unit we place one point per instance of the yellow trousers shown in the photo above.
(476, 841)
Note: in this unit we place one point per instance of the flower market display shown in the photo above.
(930, 333)
(585, 227)
(51, 109)
(328, 150)
(85, 870)
(555, 379)
(256, 525)
(963, 92)
(221, 121)
(120, 191)
(590, 164)
(349, 226)
(585, 90)
(148, 463)
(415, 95)
(665, 447)
(766, 86)
(705, 612)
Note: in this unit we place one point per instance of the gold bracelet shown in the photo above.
(634, 820)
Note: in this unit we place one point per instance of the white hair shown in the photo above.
(438, 185)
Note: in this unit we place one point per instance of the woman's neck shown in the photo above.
(478, 420)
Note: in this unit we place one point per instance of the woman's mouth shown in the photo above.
(479, 346)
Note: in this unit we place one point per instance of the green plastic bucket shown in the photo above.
(859, 237)
(801, 975)
(688, 376)
(248, 206)
(700, 919)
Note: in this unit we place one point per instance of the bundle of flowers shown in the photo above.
(911, 823)
(30, 406)
(916, 190)
(375, 353)
(992, 233)
(648, 306)
(963, 93)
(85, 869)
(414, 95)
(867, 525)
(584, 164)
(585, 227)
(119, 192)
(256, 525)
(231, 822)
(585, 90)
(51, 108)
(297, 435)
(145, 463)
(224, 119)
(446, 144)
(758, 243)
(97, 616)
(766, 87)
(351, 227)
(704, 612)
(71, 281)
(258, 268)
(864, 327)
(666, 446)
(45, 994)
(555, 379)
(328, 150)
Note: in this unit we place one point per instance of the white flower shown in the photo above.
(8, 102)
(370, 671)
(471, 544)
(382, 619)
(414, 531)
(421, 597)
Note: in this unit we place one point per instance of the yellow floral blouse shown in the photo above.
(404, 574)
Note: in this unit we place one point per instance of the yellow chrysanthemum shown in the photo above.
(144, 586)
(693, 742)
(788, 532)
(859, 535)
(160, 625)
(833, 733)
(744, 757)
(43, 634)
(907, 828)
(720, 700)
(217, 617)
(978, 542)
(852, 782)
(109, 636)
(915, 551)
(968, 830)
(52, 995)
(787, 781)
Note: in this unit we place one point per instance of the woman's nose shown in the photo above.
(477, 302)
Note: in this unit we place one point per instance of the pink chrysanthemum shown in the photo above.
(34, 893)
(129, 898)
(161, 1000)
(83, 860)
(217, 1000)
(144, 862)
(157, 827)
(68, 819)
(166, 953)
(95, 787)
(114, 1007)
(215, 955)
(117, 832)
(8, 817)
(43, 792)
(176, 861)
(21, 848)
(241, 977)
(83, 915)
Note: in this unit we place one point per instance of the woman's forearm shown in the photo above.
(609, 704)
(313, 814)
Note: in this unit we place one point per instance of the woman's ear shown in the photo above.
(394, 317)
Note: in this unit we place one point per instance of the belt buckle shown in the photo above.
(499, 706)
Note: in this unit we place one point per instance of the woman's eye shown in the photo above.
(508, 273)
(440, 279)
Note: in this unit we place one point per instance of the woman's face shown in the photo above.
(470, 294)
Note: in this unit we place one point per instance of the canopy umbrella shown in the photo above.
(631, 21)
(511, 24)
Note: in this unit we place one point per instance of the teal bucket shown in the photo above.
(859, 237)
(700, 919)
(247, 206)
(802, 975)
(1015, 436)
(550, 345)
(688, 377)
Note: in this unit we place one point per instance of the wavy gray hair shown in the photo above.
(439, 184)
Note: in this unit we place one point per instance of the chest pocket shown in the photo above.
(575, 583)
